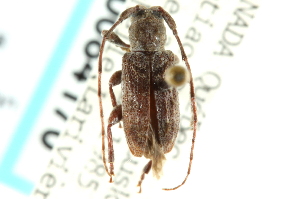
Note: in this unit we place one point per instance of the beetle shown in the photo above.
(150, 107)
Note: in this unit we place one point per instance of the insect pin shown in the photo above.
(149, 77)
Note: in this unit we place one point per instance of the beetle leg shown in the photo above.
(115, 39)
(124, 15)
(114, 118)
(146, 170)
(172, 25)
(114, 80)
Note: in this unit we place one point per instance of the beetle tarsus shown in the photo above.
(146, 170)
(111, 180)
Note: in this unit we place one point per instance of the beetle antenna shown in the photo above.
(124, 15)
(171, 23)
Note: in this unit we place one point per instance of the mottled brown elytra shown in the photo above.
(149, 77)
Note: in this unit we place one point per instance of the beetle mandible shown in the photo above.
(150, 107)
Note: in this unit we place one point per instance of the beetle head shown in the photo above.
(147, 31)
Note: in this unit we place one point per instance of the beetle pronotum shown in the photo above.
(150, 108)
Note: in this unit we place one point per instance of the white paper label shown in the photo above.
(211, 33)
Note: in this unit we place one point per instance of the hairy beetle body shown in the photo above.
(150, 107)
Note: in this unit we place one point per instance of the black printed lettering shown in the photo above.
(231, 37)
(84, 73)
(74, 135)
(91, 53)
(103, 23)
(207, 10)
(59, 162)
(79, 121)
(251, 6)
(92, 49)
(92, 173)
(122, 180)
(171, 6)
(224, 50)
(189, 49)
(48, 136)
(84, 105)
(98, 168)
(41, 194)
(193, 35)
(108, 64)
(234, 31)
(87, 183)
(61, 114)
(70, 96)
(48, 180)
(109, 5)
(61, 157)
(240, 21)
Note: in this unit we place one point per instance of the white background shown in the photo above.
(248, 146)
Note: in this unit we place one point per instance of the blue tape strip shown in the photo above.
(38, 99)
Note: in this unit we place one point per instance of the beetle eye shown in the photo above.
(176, 76)
(156, 13)
(139, 13)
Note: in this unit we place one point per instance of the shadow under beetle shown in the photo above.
(150, 107)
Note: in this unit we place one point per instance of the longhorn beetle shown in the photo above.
(150, 107)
